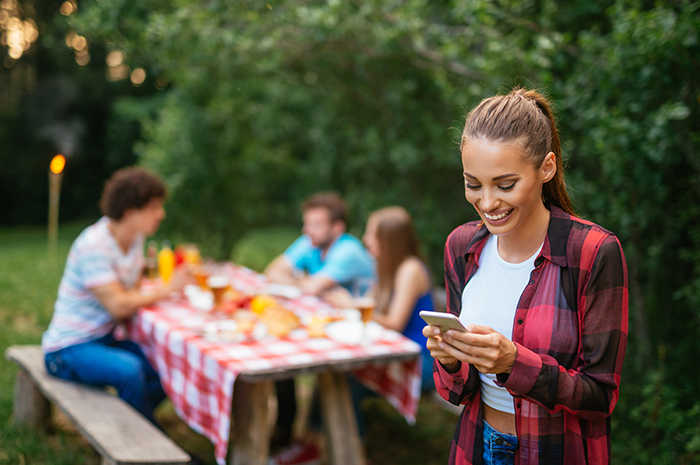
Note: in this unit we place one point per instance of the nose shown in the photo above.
(489, 200)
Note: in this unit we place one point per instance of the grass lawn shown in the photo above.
(28, 286)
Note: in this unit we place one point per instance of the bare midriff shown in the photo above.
(500, 421)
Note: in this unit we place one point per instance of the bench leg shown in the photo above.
(249, 426)
(340, 419)
(31, 407)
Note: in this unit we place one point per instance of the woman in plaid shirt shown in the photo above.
(542, 293)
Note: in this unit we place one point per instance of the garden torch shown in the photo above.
(55, 177)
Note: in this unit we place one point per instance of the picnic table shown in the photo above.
(221, 388)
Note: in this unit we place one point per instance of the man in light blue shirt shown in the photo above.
(325, 256)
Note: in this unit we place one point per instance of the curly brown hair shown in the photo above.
(129, 188)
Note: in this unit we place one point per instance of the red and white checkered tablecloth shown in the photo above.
(198, 374)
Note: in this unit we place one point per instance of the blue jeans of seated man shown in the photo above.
(499, 448)
(108, 362)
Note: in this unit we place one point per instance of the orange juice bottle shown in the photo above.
(166, 261)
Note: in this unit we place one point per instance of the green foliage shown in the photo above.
(271, 102)
(257, 248)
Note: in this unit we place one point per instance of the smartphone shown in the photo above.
(443, 320)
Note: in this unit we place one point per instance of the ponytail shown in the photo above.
(523, 115)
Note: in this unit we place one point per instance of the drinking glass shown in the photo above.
(361, 293)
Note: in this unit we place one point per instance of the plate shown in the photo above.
(200, 299)
(282, 290)
(353, 331)
(227, 331)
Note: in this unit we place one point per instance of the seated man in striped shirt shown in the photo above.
(100, 287)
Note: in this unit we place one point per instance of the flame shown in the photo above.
(57, 164)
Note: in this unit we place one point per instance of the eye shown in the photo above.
(507, 188)
(472, 187)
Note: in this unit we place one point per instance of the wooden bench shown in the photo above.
(119, 433)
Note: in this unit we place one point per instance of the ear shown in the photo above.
(548, 168)
(338, 227)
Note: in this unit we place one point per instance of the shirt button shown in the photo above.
(520, 321)
(531, 282)
(518, 404)
(499, 441)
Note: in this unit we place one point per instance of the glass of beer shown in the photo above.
(219, 284)
(364, 302)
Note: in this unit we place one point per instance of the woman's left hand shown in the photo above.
(486, 349)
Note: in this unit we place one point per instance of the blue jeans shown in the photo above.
(108, 362)
(499, 448)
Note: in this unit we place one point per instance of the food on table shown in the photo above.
(260, 302)
(317, 325)
(279, 321)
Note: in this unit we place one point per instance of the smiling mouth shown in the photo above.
(497, 217)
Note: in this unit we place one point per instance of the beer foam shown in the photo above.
(218, 281)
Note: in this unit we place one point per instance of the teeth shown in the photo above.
(497, 217)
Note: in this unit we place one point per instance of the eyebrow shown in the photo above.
(497, 178)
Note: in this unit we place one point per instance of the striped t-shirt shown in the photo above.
(94, 260)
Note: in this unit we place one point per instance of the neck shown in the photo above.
(324, 249)
(123, 233)
(520, 245)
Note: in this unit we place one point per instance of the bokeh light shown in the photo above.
(138, 76)
(116, 68)
(115, 58)
(162, 82)
(68, 7)
(16, 34)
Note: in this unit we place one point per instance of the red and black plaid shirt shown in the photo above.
(566, 377)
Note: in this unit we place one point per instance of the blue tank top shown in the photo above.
(414, 328)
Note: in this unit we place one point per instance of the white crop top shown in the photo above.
(490, 299)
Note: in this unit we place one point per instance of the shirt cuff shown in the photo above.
(526, 369)
(453, 381)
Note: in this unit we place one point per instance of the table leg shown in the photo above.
(340, 420)
(250, 432)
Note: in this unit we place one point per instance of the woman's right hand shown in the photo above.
(339, 297)
(433, 333)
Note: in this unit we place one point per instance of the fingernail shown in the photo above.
(441, 345)
(436, 332)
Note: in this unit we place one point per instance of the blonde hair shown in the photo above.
(522, 116)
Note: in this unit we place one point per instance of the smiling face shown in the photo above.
(504, 187)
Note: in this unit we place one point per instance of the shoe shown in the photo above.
(298, 454)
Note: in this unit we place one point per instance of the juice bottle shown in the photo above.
(166, 261)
